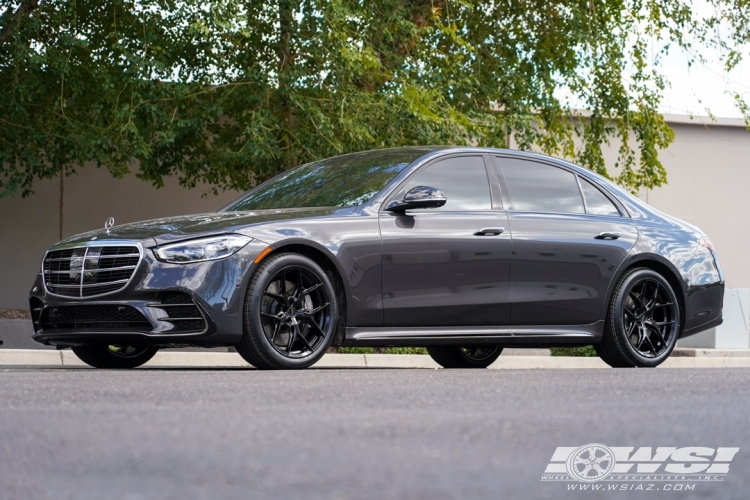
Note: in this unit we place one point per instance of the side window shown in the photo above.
(596, 202)
(463, 180)
(536, 187)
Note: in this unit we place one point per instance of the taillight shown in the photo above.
(707, 243)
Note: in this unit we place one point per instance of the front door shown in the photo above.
(569, 238)
(438, 269)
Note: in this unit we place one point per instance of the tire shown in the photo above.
(643, 321)
(283, 328)
(110, 356)
(464, 357)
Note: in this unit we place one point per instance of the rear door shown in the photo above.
(569, 238)
(438, 267)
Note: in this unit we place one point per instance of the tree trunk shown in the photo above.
(286, 68)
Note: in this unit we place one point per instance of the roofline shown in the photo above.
(675, 119)
(704, 121)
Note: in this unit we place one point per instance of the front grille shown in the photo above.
(90, 271)
(95, 317)
(182, 313)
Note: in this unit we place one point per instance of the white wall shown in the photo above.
(28, 226)
(708, 173)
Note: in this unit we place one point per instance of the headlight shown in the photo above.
(216, 247)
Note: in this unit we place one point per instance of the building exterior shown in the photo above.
(708, 168)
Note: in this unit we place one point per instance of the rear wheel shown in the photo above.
(114, 356)
(464, 357)
(291, 314)
(643, 321)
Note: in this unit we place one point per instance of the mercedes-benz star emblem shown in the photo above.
(110, 222)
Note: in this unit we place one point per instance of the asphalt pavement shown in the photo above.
(78, 433)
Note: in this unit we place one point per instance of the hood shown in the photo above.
(170, 229)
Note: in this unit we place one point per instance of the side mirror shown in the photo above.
(418, 197)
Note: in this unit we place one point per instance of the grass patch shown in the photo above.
(378, 350)
(581, 352)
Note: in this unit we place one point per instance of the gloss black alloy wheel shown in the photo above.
(643, 321)
(114, 356)
(464, 357)
(290, 313)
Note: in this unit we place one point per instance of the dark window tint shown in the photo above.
(535, 187)
(596, 202)
(341, 181)
(463, 180)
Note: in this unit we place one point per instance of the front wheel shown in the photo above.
(464, 357)
(643, 321)
(114, 356)
(291, 313)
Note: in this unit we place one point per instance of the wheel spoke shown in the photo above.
(629, 332)
(298, 291)
(657, 306)
(282, 285)
(314, 287)
(314, 325)
(642, 296)
(641, 340)
(651, 303)
(292, 336)
(655, 330)
(662, 323)
(650, 344)
(628, 312)
(302, 338)
(637, 300)
(317, 309)
(276, 297)
(275, 332)
(271, 316)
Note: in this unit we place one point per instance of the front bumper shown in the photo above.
(217, 288)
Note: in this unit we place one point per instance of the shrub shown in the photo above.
(378, 350)
(585, 351)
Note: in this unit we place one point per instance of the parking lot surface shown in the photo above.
(78, 433)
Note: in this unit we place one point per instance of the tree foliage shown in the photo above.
(231, 92)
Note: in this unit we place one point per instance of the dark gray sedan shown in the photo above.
(461, 250)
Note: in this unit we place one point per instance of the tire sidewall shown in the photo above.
(485, 361)
(253, 324)
(99, 356)
(629, 282)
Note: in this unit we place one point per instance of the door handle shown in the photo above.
(490, 231)
(607, 236)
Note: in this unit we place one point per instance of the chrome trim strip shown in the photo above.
(385, 333)
(101, 256)
(87, 245)
(191, 304)
(91, 285)
(100, 270)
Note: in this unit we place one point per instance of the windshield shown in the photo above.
(341, 181)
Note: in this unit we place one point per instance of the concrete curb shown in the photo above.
(699, 352)
(173, 359)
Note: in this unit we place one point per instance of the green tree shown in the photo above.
(231, 92)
